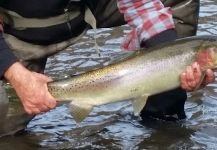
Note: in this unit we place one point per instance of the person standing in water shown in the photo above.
(33, 30)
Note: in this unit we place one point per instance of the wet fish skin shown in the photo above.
(149, 72)
(4, 104)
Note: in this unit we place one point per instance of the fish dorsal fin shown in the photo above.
(80, 110)
(139, 104)
(91, 20)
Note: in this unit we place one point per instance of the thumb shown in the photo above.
(43, 77)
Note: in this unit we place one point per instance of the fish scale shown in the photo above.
(147, 72)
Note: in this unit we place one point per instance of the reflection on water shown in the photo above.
(113, 126)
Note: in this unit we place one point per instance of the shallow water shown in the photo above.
(113, 126)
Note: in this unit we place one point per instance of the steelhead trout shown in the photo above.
(149, 72)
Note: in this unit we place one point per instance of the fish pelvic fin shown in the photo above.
(80, 111)
(139, 104)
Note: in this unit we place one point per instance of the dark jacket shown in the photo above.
(36, 25)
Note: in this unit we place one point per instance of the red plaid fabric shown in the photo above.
(146, 19)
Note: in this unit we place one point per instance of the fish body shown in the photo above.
(150, 71)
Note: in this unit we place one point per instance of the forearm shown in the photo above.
(17, 74)
(147, 18)
(30, 87)
(7, 58)
(165, 36)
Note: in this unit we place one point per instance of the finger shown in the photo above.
(32, 111)
(28, 111)
(49, 79)
(35, 111)
(197, 73)
(210, 77)
(44, 105)
(184, 84)
(51, 103)
(43, 108)
(190, 80)
(194, 76)
(42, 77)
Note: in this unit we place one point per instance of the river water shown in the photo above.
(114, 126)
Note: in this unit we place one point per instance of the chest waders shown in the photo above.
(35, 30)
(34, 34)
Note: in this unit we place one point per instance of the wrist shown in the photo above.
(165, 36)
(15, 73)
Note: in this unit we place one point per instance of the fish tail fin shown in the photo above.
(4, 104)
(80, 111)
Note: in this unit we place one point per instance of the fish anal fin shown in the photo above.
(79, 111)
(139, 104)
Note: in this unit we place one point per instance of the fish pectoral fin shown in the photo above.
(80, 110)
(139, 104)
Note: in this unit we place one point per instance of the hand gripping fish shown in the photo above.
(149, 72)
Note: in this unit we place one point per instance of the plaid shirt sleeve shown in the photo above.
(146, 18)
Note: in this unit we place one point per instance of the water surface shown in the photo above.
(114, 126)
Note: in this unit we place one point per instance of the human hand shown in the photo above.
(31, 88)
(192, 76)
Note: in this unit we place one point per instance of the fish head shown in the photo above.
(207, 56)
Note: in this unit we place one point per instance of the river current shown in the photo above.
(114, 126)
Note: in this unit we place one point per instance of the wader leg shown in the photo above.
(106, 13)
(166, 106)
(170, 105)
(12, 116)
(4, 103)
(185, 14)
(36, 65)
